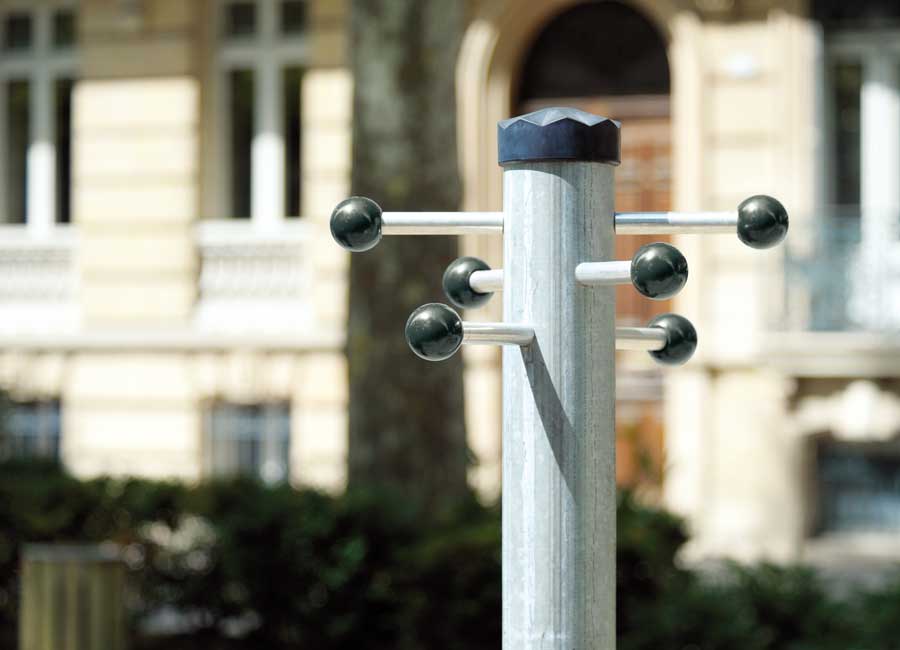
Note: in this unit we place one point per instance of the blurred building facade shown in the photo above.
(171, 303)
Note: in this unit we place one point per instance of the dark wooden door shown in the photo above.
(643, 184)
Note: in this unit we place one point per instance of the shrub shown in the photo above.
(248, 565)
(252, 566)
(876, 618)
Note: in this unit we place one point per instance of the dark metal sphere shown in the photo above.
(659, 271)
(681, 339)
(356, 224)
(434, 332)
(762, 221)
(456, 283)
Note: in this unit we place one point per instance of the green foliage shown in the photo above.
(251, 566)
(276, 567)
(877, 619)
(789, 607)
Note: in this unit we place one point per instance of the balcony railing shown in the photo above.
(253, 280)
(38, 280)
(250, 280)
(842, 277)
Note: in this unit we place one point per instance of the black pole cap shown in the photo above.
(456, 283)
(681, 339)
(356, 224)
(434, 332)
(762, 221)
(559, 134)
(658, 270)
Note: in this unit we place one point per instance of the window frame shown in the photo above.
(43, 65)
(46, 412)
(267, 54)
(878, 54)
(827, 451)
(268, 438)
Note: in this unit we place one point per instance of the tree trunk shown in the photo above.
(406, 415)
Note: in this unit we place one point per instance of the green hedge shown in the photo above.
(291, 567)
(271, 567)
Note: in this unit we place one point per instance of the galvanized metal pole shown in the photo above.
(559, 493)
(558, 223)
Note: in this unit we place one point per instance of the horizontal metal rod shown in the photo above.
(441, 223)
(486, 281)
(477, 333)
(654, 223)
(587, 273)
(603, 273)
(627, 338)
(640, 338)
(627, 223)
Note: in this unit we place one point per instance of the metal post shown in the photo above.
(558, 224)
(559, 489)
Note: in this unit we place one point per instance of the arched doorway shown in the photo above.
(609, 59)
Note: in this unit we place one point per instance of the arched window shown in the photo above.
(609, 59)
(595, 49)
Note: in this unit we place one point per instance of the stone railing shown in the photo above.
(38, 280)
(253, 280)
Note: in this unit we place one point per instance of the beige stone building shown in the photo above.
(171, 303)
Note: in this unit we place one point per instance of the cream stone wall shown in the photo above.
(136, 378)
(319, 449)
(327, 101)
(136, 117)
(483, 397)
(742, 123)
(126, 40)
(747, 127)
(319, 453)
(131, 413)
(135, 195)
